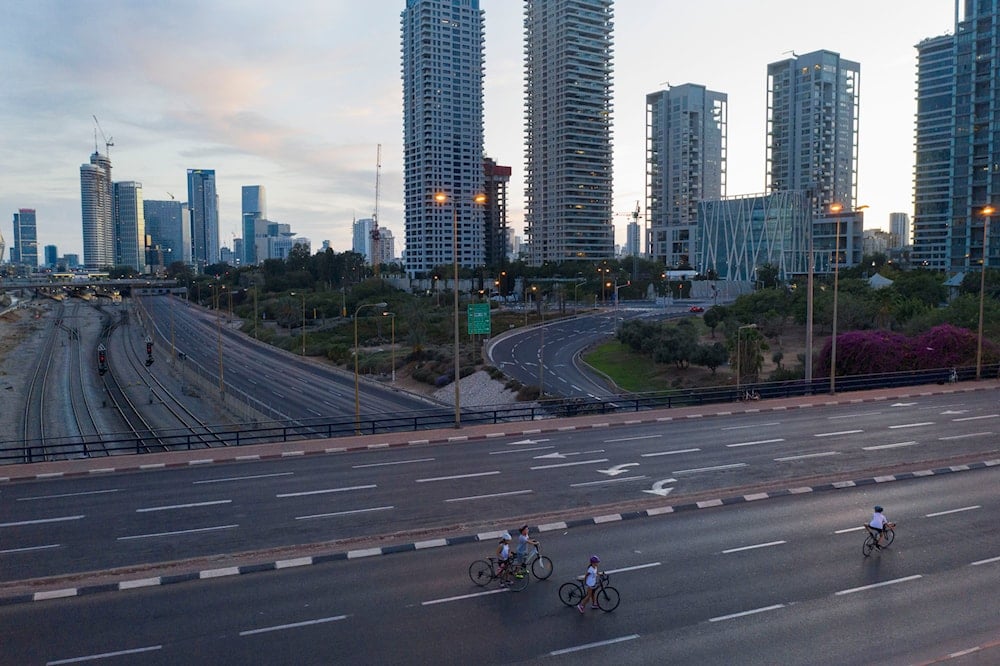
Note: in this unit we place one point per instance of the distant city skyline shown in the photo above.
(303, 116)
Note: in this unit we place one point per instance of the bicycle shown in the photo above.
(749, 396)
(540, 565)
(484, 572)
(871, 541)
(573, 592)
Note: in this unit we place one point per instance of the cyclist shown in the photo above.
(503, 557)
(879, 523)
(523, 541)
(590, 584)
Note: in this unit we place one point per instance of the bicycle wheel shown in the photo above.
(889, 536)
(541, 567)
(868, 546)
(608, 598)
(519, 578)
(481, 572)
(571, 593)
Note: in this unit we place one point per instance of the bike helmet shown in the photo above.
(878, 509)
(594, 559)
(505, 536)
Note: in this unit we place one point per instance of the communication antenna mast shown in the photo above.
(375, 234)
(108, 141)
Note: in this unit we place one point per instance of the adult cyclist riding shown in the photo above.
(879, 523)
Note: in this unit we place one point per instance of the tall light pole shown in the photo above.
(357, 391)
(442, 198)
(292, 293)
(986, 212)
(392, 323)
(836, 209)
(739, 354)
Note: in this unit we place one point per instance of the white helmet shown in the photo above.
(505, 536)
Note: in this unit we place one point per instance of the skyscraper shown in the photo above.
(442, 62)
(168, 226)
(254, 224)
(899, 228)
(51, 256)
(568, 102)
(25, 250)
(98, 213)
(203, 202)
(130, 226)
(686, 131)
(496, 179)
(361, 238)
(957, 150)
(812, 128)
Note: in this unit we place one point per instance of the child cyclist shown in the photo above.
(590, 584)
(503, 558)
(878, 524)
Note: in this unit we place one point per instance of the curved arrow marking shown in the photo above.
(658, 488)
(617, 469)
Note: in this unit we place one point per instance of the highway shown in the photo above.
(780, 581)
(70, 525)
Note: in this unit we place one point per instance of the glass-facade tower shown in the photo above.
(203, 204)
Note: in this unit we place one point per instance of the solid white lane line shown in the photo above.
(344, 513)
(323, 492)
(458, 476)
(242, 478)
(839, 432)
(911, 425)
(887, 446)
(476, 497)
(534, 448)
(606, 481)
(40, 521)
(971, 434)
(293, 625)
(945, 513)
(92, 492)
(809, 455)
(667, 453)
(976, 418)
(733, 616)
(182, 506)
(571, 464)
(849, 529)
(757, 545)
(709, 469)
(882, 584)
(394, 462)
(759, 441)
(635, 568)
(29, 548)
(632, 439)
(162, 534)
(755, 425)
(462, 596)
(589, 646)
(104, 655)
(989, 561)
(852, 416)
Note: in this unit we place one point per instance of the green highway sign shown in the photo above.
(479, 319)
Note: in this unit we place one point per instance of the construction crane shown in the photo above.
(375, 234)
(108, 141)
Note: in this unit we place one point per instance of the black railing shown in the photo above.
(276, 432)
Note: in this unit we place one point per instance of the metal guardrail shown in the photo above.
(278, 431)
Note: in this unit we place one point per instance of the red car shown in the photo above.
(697, 308)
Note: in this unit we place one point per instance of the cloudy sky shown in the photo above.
(297, 95)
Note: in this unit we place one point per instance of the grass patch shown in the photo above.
(630, 371)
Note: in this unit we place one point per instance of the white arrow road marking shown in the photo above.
(570, 464)
(658, 488)
(566, 455)
(617, 469)
(527, 441)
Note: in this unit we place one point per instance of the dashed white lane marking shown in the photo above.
(837, 433)
(393, 462)
(668, 453)
(977, 418)
(967, 436)
(852, 416)
(950, 511)
(753, 547)
(632, 439)
(911, 425)
(490, 496)
(759, 441)
(40, 521)
(92, 492)
(461, 597)
(571, 464)
(249, 477)
(458, 476)
(822, 454)
(709, 469)
(989, 561)
(293, 625)
(755, 425)
(733, 616)
(182, 506)
(344, 513)
(589, 646)
(887, 446)
(191, 531)
(882, 584)
(633, 568)
(305, 493)
(104, 655)
(534, 448)
(28, 549)
(603, 482)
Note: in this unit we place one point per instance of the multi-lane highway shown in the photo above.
(780, 581)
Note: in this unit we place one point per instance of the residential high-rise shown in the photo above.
(169, 228)
(98, 213)
(361, 238)
(130, 226)
(386, 246)
(899, 228)
(957, 150)
(568, 103)
(203, 202)
(25, 249)
(686, 130)
(496, 179)
(254, 224)
(442, 62)
(812, 128)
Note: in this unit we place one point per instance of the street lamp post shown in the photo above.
(392, 324)
(986, 212)
(739, 354)
(357, 391)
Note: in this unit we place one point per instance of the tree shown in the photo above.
(713, 317)
(711, 356)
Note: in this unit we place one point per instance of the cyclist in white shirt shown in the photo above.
(523, 541)
(590, 584)
(503, 557)
(879, 523)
